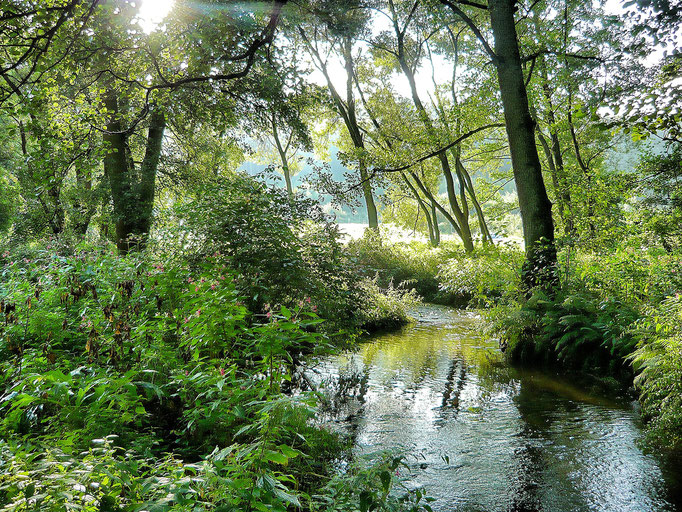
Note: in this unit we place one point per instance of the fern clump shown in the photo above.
(658, 361)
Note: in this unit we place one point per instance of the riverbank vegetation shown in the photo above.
(172, 175)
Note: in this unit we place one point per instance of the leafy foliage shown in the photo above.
(110, 363)
(487, 276)
(282, 250)
(658, 360)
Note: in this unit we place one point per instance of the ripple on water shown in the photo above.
(484, 437)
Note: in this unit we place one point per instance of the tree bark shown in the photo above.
(468, 184)
(356, 135)
(282, 156)
(85, 210)
(150, 165)
(535, 206)
(436, 228)
(433, 238)
(133, 199)
(563, 193)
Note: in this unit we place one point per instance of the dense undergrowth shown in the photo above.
(443, 275)
(162, 380)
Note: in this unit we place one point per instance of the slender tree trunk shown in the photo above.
(436, 204)
(347, 112)
(356, 135)
(460, 215)
(54, 211)
(150, 165)
(372, 214)
(436, 228)
(535, 206)
(485, 232)
(556, 163)
(587, 174)
(283, 157)
(85, 208)
(432, 233)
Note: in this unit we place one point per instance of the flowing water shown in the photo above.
(480, 436)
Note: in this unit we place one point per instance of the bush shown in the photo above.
(658, 361)
(484, 277)
(412, 265)
(577, 330)
(281, 251)
(165, 357)
(385, 308)
(631, 275)
(130, 384)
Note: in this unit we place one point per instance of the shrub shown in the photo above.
(412, 265)
(658, 361)
(280, 250)
(575, 329)
(384, 308)
(483, 277)
(631, 275)
(130, 384)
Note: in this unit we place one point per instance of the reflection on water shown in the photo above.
(485, 437)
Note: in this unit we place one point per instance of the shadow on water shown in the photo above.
(485, 437)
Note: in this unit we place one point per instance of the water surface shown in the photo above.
(485, 437)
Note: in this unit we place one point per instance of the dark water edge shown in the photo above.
(482, 436)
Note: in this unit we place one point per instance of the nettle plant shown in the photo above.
(169, 359)
(105, 317)
(111, 310)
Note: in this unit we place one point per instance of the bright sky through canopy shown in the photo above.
(152, 12)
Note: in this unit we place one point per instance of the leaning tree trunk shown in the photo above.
(434, 235)
(150, 165)
(535, 206)
(85, 209)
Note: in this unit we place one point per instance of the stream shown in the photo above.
(481, 436)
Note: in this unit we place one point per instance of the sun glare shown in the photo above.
(152, 12)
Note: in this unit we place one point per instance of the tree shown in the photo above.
(132, 186)
(138, 91)
(36, 37)
(343, 24)
(280, 127)
(535, 206)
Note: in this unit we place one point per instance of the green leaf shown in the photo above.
(385, 481)
(277, 457)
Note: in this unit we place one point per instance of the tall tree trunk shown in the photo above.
(436, 228)
(356, 135)
(468, 184)
(535, 206)
(436, 204)
(133, 199)
(85, 209)
(563, 193)
(347, 112)
(150, 165)
(460, 215)
(116, 168)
